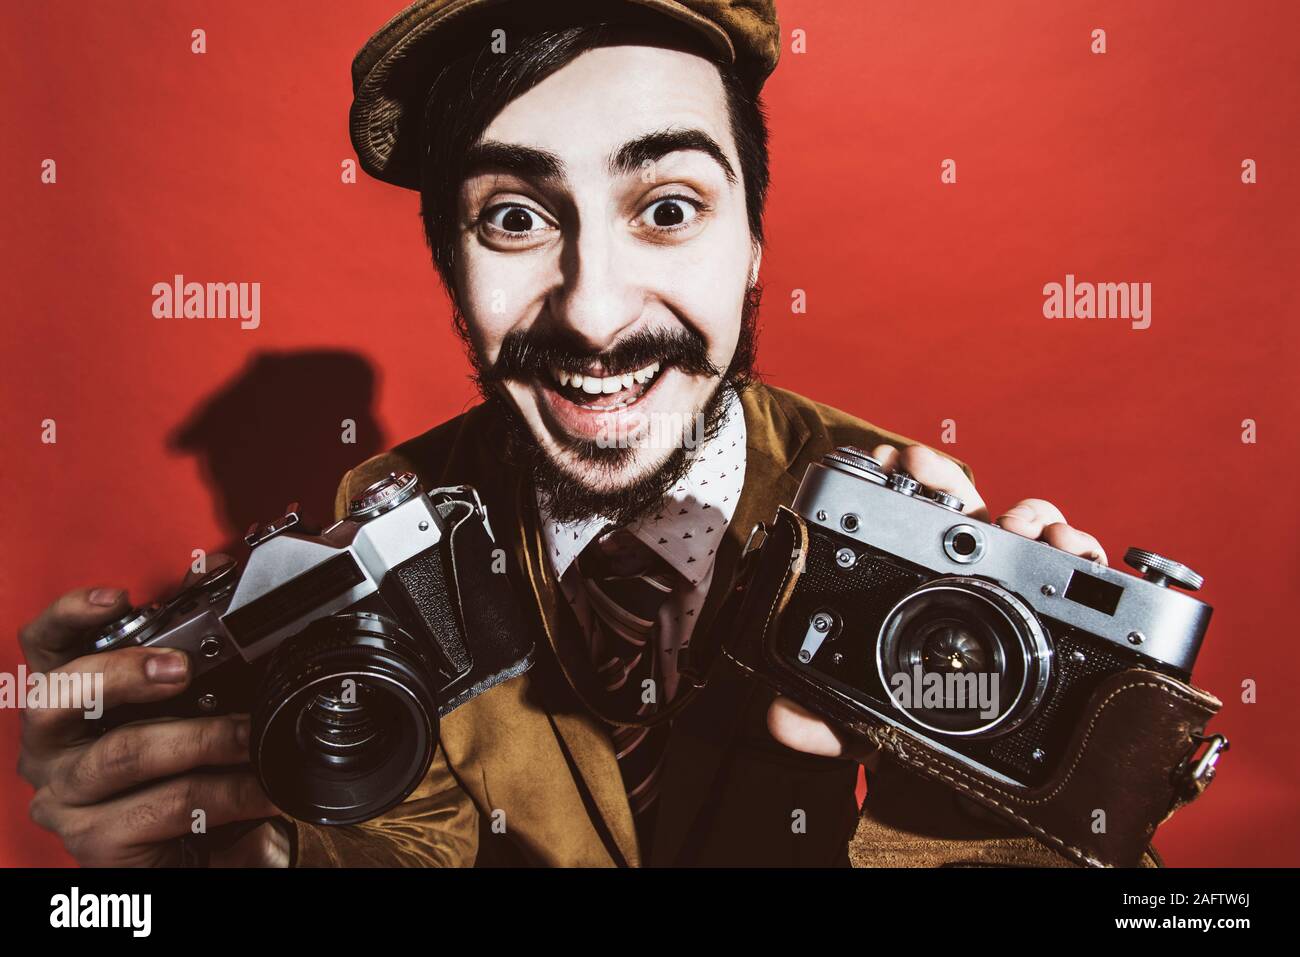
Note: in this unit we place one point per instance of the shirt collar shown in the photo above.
(689, 524)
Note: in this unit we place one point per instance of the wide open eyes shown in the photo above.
(514, 221)
(669, 213)
(520, 224)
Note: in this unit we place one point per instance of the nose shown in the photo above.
(599, 296)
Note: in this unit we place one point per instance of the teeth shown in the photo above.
(607, 385)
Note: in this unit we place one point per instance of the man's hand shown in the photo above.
(798, 728)
(126, 798)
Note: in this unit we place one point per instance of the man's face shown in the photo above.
(600, 239)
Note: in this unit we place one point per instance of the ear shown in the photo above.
(755, 261)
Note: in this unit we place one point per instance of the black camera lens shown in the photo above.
(964, 657)
(347, 726)
(346, 720)
(947, 645)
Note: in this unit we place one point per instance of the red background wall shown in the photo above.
(924, 299)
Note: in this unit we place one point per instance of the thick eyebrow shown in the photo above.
(528, 162)
(632, 155)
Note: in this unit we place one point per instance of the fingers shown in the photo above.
(59, 632)
(106, 680)
(1039, 519)
(933, 471)
(1033, 518)
(131, 755)
(140, 827)
(886, 455)
(167, 810)
(1029, 517)
(798, 728)
(1067, 539)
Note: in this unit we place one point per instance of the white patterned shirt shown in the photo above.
(685, 531)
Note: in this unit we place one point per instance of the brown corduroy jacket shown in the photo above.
(525, 775)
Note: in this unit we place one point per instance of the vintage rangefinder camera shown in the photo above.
(346, 646)
(877, 602)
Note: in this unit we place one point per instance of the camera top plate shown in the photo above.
(1144, 616)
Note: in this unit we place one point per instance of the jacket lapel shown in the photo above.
(586, 740)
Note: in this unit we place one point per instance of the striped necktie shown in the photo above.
(627, 583)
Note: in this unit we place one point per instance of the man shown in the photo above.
(592, 180)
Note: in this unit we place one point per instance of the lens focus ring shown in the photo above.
(972, 644)
(346, 720)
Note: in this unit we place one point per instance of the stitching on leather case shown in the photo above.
(1079, 751)
(795, 566)
(798, 561)
(1044, 836)
(934, 767)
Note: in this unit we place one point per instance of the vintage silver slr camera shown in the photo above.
(346, 646)
(876, 601)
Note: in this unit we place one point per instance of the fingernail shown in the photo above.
(241, 731)
(168, 668)
(105, 596)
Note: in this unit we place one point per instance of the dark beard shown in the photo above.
(528, 353)
(568, 500)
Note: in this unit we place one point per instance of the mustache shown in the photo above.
(534, 352)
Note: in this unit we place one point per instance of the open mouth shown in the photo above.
(604, 393)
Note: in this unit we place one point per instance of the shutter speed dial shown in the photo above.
(1162, 571)
(855, 462)
(384, 495)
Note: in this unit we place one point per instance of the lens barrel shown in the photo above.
(963, 656)
(346, 719)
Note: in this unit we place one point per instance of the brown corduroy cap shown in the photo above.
(393, 72)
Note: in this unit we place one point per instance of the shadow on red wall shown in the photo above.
(256, 449)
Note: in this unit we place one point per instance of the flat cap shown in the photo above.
(393, 72)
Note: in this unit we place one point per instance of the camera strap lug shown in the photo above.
(258, 533)
(1202, 772)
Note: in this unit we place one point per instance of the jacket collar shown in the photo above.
(512, 507)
